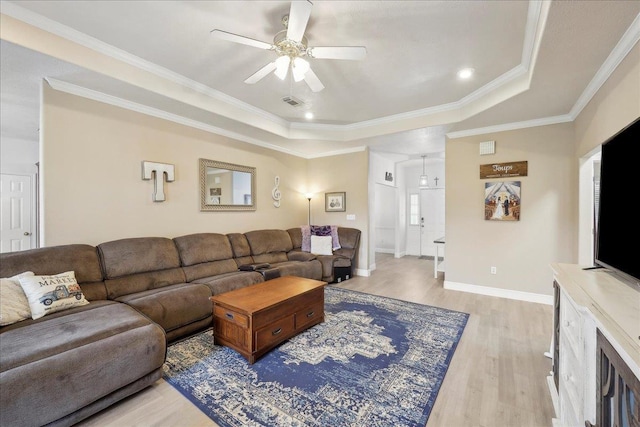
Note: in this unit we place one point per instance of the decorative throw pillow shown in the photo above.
(306, 238)
(321, 230)
(14, 305)
(48, 294)
(321, 245)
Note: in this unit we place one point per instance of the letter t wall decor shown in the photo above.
(158, 170)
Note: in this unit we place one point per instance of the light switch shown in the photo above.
(351, 217)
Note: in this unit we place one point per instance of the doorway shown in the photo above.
(16, 213)
(432, 220)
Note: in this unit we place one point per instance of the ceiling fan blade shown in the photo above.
(240, 39)
(313, 82)
(298, 19)
(338, 52)
(261, 73)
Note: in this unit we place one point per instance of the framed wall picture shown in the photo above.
(502, 201)
(335, 202)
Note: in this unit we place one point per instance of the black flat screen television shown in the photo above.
(618, 226)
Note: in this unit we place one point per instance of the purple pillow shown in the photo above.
(321, 230)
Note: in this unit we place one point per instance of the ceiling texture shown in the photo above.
(535, 62)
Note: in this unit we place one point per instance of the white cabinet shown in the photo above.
(576, 370)
(590, 301)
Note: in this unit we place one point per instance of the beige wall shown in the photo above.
(92, 181)
(348, 173)
(520, 250)
(616, 104)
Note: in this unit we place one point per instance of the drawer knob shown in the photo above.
(229, 316)
(277, 331)
(311, 313)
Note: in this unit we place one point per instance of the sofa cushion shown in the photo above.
(14, 305)
(88, 352)
(268, 241)
(138, 255)
(139, 264)
(203, 247)
(81, 259)
(209, 269)
(310, 269)
(48, 294)
(230, 281)
(142, 282)
(172, 306)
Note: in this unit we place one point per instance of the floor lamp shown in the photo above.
(309, 199)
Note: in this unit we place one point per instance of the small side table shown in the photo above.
(437, 265)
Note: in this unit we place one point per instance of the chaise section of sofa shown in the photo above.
(207, 258)
(68, 365)
(274, 247)
(344, 258)
(145, 273)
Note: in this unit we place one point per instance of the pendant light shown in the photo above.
(424, 180)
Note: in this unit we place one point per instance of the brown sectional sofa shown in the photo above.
(143, 293)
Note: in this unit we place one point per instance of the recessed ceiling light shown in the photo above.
(308, 115)
(465, 73)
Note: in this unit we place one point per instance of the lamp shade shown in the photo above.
(299, 69)
(282, 66)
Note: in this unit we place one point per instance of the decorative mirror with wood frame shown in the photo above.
(227, 187)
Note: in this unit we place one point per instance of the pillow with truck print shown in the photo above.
(48, 294)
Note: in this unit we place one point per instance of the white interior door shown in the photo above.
(385, 219)
(15, 213)
(432, 215)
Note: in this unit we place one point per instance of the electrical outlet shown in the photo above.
(494, 270)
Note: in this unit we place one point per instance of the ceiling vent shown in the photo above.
(294, 102)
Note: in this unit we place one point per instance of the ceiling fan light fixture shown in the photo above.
(299, 69)
(282, 66)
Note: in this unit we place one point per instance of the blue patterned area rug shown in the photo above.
(375, 361)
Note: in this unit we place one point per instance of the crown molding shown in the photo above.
(454, 111)
(53, 27)
(622, 49)
(627, 42)
(175, 118)
(511, 126)
(154, 112)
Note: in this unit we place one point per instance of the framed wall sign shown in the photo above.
(335, 202)
(504, 170)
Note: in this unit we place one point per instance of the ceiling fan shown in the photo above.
(291, 46)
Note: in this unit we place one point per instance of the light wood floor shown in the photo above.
(497, 377)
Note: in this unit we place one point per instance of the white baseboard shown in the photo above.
(500, 293)
(385, 250)
(400, 254)
(363, 272)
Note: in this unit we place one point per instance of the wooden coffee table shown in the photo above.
(255, 319)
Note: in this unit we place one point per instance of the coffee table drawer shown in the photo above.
(274, 333)
(231, 316)
(309, 315)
